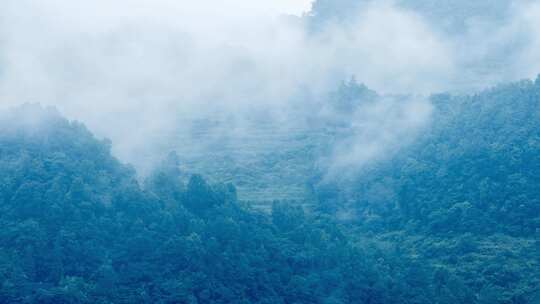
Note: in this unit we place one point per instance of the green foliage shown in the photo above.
(350, 95)
(452, 218)
(475, 169)
(464, 195)
(78, 228)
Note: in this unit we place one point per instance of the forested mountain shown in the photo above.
(464, 195)
(245, 165)
(265, 158)
(79, 228)
(474, 170)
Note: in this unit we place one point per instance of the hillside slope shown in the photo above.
(464, 196)
(479, 158)
(78, 228)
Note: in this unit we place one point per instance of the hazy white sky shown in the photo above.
(258, 7)
(289, 6)
(271, 7)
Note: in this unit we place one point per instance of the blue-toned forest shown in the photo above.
(79, 227)
(319, 162)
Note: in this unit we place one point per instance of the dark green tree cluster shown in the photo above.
(464, 195)
(475, 169)
(350, 95)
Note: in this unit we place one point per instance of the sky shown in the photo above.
(295, 7)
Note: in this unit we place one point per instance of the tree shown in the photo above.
(199, 196)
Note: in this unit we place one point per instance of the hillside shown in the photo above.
(464, 195)
(266, 159)
(78, 228)
(479, 156)
(269, 152)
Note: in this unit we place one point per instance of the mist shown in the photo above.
(140, 72)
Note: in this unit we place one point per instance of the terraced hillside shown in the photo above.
(265, 161)
(266, 156)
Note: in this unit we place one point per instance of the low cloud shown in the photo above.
(378, 130)
(138, 71)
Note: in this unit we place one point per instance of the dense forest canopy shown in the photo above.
(81, 228)
(478, 158)
(78, 228)
(368, 152)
